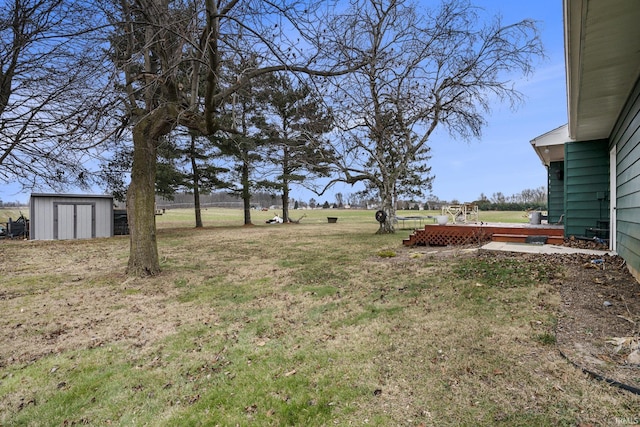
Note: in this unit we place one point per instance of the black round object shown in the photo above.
(381, 216)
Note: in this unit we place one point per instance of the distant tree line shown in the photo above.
(528, 199)
(259, 199)
(14, 204)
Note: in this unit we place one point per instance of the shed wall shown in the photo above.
(626, 139)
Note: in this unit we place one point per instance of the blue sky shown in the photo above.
(502, 160)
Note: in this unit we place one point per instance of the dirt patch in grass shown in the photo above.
(91, 304)
(86, 318)
(600, 307)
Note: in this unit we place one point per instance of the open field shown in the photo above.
(231, 217)
(294, 324)
(13, 213)
(217, 216)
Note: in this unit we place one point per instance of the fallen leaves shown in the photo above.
(620, 343)
(627, 343)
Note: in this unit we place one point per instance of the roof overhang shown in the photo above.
(550, 146)
(73, 196)
(602, 56)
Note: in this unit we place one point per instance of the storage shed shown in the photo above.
(70, 216)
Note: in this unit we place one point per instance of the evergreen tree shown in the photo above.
(295, 121)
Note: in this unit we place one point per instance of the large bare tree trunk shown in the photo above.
(387, 226)
(143, 254)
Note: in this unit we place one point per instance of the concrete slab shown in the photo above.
(540, 249)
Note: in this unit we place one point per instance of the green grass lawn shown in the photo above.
(223, 216)
(310, 324)
(213, 217)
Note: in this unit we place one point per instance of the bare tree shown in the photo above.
(170, 54)
(52, 98)
(533, 196)
(441, 69)
(498, 197)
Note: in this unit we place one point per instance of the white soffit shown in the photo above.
(550, 146)
(602, 48)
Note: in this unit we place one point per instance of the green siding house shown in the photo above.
(593, 161)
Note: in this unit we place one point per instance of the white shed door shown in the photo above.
(84, 221)
(66, 222)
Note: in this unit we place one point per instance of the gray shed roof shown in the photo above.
(93, 196)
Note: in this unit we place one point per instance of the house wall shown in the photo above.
(555, 194)
(70, 217)
(626, 140)
(586, 186)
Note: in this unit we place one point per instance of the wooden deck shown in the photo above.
(461, 234)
